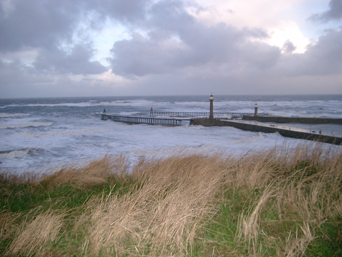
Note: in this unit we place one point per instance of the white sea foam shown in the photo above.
(18, 153)
(71, 134)
(11, 115)
(253, 138)
(131, 103)
(194, 103)
(60, 133)
(14, 154)
(131, 113)
(25, 125)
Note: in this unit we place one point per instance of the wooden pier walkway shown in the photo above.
(142, 120)
(198, 114)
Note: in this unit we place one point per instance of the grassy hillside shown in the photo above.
(274, 203)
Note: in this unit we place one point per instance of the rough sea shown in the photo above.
(47, 133)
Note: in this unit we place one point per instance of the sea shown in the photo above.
(45, 134)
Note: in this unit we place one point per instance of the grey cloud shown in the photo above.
(126, 11)
(45, 25)
(334, 13)
(168, 47)
(140, 56)
(176, 40)
(169, 15)
(19, 80)
(259, 55)
(76, 62)
(16, 79)
(288, 47)
(36, 23)
(321, 58)
(204, 81)
(39, 23)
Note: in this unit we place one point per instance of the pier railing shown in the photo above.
(197, 114)
(142, 120)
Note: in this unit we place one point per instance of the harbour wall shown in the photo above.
(257, 128)
(306, 120)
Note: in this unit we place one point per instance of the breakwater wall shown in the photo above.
(258, 128)
(305, 120)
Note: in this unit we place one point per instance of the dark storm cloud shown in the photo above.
(45, 25)
(168, 46)
(36, 23)
(288, 47)
(19, 80)
(125, 11)
(16, 79)
(321, 58)
(9, 71)
(175, 40)
(325, 57)
(76, 62)
(42, 23)
(334, 12)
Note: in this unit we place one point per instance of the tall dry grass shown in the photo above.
(303, 188)
(96, 172)
(175, 196)
(33, 237)
(288, 195)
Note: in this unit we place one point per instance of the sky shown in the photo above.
(70, 48)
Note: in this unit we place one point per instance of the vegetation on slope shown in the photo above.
(275, 203)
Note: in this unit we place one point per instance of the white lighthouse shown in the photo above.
(211, 99)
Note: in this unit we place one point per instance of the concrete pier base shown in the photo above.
(266, 129)
(307, 120)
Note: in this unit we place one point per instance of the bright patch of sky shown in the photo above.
(288, 31)
(309, 28)
(284, 21)
(26, 56)
(105, 38)
(102, 37)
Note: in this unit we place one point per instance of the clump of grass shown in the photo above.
(174, 197)
(280, 202)
(97, 172)
(33, 237)
(300, 191)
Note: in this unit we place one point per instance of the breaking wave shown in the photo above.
(88, 104)
(60, 133)
(20, 152)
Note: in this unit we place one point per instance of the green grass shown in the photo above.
(328, 241)
(281, 220)
(217, 236)
(27, 200)
(25, 197)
